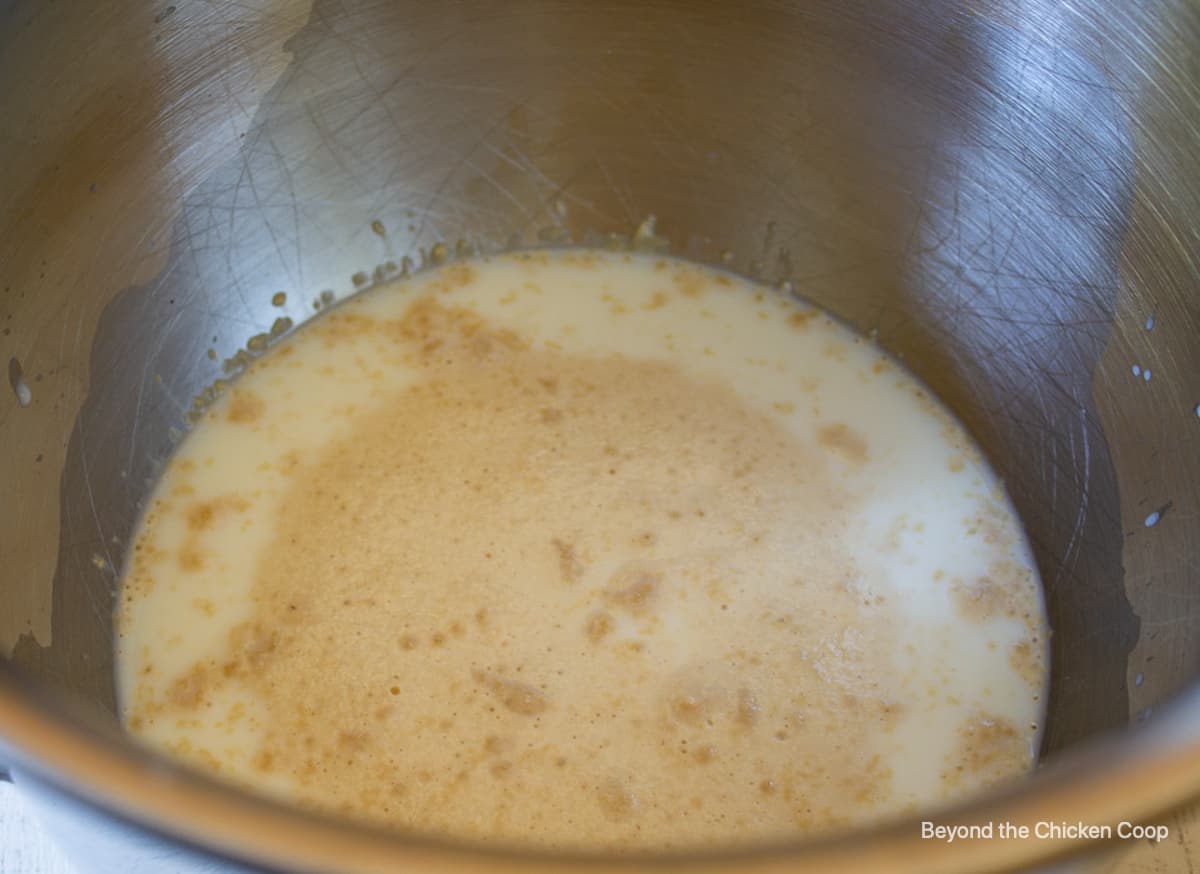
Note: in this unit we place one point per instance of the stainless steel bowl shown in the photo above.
(1006, 193)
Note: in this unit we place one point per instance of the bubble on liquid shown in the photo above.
(16, 379)
(1137, 371)
(1146, 374)
(1150, 323)
(1152, 519)
(1139, 679)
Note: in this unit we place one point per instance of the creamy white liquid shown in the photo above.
(584, 550)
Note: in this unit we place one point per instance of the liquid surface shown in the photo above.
(584, 551)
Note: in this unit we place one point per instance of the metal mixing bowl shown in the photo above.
(1005, 192)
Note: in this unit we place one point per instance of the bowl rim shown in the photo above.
(1135, 776)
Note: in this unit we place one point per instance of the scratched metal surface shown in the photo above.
(1007, 193)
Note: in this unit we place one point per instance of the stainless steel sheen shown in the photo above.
(1007, 194)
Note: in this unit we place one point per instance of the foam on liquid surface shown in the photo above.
(584, 550)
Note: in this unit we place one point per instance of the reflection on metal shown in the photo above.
(999, 192)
